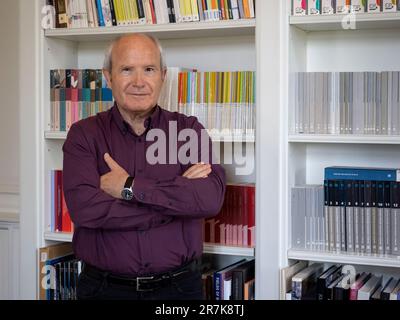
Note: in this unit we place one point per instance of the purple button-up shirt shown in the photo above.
(161, 227)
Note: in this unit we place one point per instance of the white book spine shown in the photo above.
(389, 5)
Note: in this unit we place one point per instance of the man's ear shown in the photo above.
(107, 75)
(163, 74)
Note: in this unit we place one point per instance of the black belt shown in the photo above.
(141, 283)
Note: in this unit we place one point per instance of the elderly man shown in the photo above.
(138, 224)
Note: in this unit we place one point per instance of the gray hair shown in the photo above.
(107, 65)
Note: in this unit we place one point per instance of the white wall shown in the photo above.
(9, 109)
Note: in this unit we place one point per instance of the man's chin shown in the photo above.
(138, 107)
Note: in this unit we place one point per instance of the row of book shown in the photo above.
(108, 13)
(230, 282)
(60, 220)
(220, 100)
(346, 103)
(76, 94)
(59, 271)
(327, 7)
(336, 282)
(356, 211)
(235, 223)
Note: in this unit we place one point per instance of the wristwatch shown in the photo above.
(127, 191)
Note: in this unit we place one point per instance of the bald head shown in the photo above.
(137, 39)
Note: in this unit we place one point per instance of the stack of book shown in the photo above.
(361, 210)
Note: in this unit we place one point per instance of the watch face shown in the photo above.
(127, 194)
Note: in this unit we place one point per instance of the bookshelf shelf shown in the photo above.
(58, 236)
(161, 31)
(208, 247)
(356, 139)
(372, 260)
(390, 20)
(228, 250)
(57, 135)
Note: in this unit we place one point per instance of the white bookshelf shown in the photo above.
(382, 20)
(57, 135)
(58, 236)
(352, 139)
(345, 258)
(243, 27)
(320, 44)
(207, 247)
(221, 46)
(228, 250)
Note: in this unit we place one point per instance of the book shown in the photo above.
(325, 279)
(222, 274)
(389, 5)
(361, 280)
(241, 274)
(45, 254)
(394, 295)
(367, 290)
(286, 275)
(361, 173)
(388, 288)
(304, 282)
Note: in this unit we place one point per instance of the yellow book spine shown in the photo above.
(135, 12)
(194, 10)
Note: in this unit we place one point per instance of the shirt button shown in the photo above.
(141, 196)
(140, 139)
(147, 265)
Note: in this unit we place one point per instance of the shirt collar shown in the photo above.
(151, 122)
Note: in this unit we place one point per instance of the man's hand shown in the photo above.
(198, 170)
(114, 181)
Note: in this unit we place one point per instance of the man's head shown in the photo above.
(135, 72)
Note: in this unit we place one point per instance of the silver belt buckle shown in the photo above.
(138, 279)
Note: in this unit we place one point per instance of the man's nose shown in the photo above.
(138, 79)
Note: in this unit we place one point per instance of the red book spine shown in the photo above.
(66, 220)
(153, 14)
(58, 220)
(251, 215)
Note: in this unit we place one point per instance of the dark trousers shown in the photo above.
(187, 287)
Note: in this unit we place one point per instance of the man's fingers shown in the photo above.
(192, 168)
(199, 172)
(195, 168)
(110, 162)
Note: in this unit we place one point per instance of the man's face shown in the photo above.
(136, 77)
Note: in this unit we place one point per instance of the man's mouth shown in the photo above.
(138, 94)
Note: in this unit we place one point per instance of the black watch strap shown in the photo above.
(128, 182)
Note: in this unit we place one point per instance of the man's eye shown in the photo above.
(126, 70)
(150, 69)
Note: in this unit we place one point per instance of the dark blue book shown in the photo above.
(362, 173)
